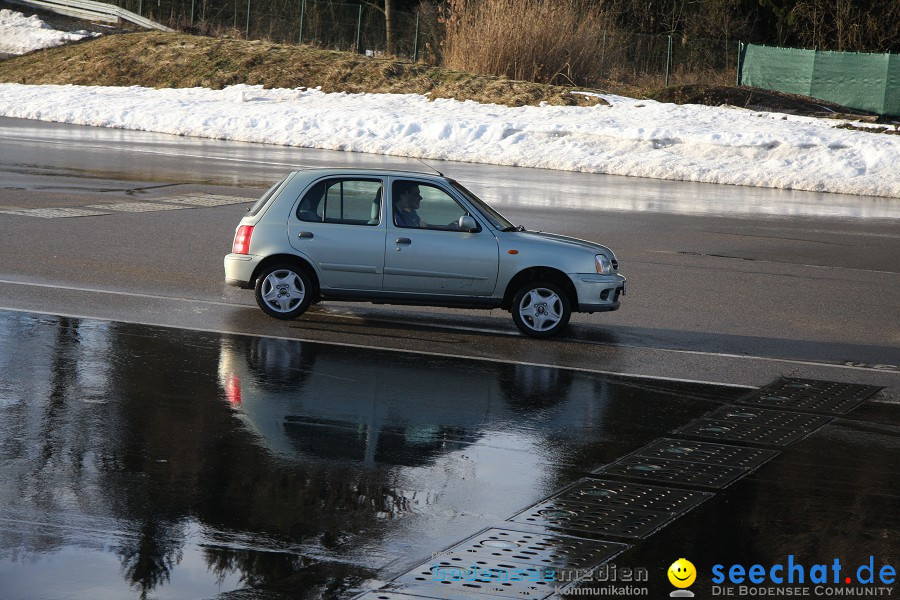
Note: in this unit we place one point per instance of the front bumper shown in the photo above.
(239, 269)
(598, 293)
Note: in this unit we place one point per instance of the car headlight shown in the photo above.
(604, 266)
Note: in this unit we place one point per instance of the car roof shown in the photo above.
(379, 172)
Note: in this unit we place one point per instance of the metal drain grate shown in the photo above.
(755, 425)
(753, 434)
(611, 508)
(707, 453)
(136, 207)
(436, 592)
(541, 550)
(770, 418)
(809, 394)
(389, 596)
(631, 495)
(673, 471)
(480, 575)
(600, 520)
(689, 463)
(209, 200)
(53, 213)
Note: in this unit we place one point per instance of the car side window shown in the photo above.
(424, 206)
(343, 201)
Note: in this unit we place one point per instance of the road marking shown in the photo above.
(380, 348)
(812, 363)
(209, 200)
(846, 364)
(851, 366)
(95, 210)
(53, 213)
(137, 207)
(766, 261)
(116, 293)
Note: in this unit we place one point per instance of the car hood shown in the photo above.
(563, 240)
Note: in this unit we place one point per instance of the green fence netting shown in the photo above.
(869, 82)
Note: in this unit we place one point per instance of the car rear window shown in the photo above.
(257, 206)
(343, 201)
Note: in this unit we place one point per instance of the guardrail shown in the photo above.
(91, 11)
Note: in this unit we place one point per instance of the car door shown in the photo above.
(337, 224)
(427, 253)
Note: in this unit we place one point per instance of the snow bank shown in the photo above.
(630, 137)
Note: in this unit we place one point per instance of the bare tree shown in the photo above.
(718, 19)
(388, 26)
(843, 25)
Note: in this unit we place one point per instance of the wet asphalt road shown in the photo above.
(139, 461)
(150, 448)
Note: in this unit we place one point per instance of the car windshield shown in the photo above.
(495, 218)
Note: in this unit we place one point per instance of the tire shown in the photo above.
(541, 309)
(283, 291)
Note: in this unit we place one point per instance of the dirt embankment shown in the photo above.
(155, 59)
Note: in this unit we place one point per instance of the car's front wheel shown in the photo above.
(283, 291)
(541, 309)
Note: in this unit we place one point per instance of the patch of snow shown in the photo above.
(20, 34)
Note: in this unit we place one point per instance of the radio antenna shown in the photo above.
(427, 165)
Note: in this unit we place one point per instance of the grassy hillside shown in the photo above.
(156, 59)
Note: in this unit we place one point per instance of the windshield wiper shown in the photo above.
(514, 228)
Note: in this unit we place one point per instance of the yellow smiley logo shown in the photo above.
(682, 573)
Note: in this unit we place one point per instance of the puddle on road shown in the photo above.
(147, 462)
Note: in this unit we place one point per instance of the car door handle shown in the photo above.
(404, 241)
(305, 234)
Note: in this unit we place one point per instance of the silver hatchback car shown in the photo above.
(397, 237)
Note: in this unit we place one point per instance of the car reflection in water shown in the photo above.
(319, 402)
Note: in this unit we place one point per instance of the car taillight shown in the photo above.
(242, 239)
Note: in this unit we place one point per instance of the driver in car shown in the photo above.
(406, 204)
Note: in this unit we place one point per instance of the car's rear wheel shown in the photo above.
(283, 291)
(541, 309)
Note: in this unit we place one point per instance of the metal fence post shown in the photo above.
(739, 60)
(247, 33)
(302, 11)
(358, 27)
(603, 50)
(416, 41)
(141, 7)
(193, 2)
(668, 59)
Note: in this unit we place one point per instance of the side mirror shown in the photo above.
(467, 223)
